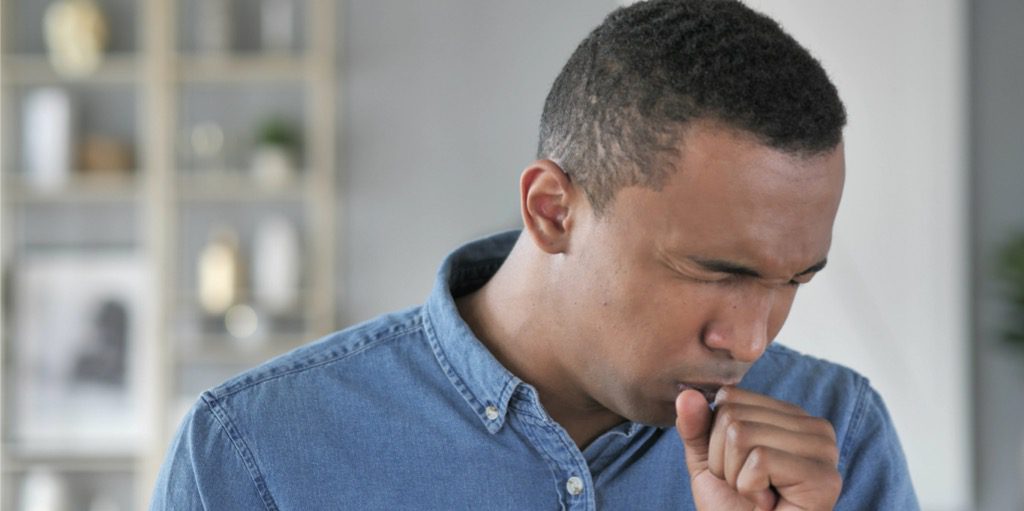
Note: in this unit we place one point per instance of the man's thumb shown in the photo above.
(693, 422)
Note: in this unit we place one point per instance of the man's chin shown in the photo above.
(659, 416)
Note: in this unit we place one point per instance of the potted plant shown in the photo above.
(1011, 269)
(277, 148)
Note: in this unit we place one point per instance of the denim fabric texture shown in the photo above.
(411, 411)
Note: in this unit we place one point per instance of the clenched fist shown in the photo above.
(757, 453)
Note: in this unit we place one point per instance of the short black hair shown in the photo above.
(615, 114)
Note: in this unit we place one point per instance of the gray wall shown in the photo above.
(997, 97)
(441, 102)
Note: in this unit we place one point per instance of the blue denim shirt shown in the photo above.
(411, 411)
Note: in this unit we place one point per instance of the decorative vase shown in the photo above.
(213, 28)
(220, 273)
(276, 266)
(43, 490)
(47, 139)
(273, 166)
(76, 35)
(277, 31)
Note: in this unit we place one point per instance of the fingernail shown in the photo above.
(719, 396)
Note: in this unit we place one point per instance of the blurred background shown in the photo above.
(191, 187)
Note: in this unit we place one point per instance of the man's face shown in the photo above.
(689, 284)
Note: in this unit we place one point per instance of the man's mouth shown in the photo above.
(709, 390)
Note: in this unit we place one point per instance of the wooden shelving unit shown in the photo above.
(160, 194)
(30, 69)
(245, 68)
(232, 187)
(81, 190)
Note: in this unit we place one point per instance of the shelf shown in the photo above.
(79, 189)
(32, 69)
(235, 187)
(70, 458)
(91, 465)
(242, 68)
(35, 69)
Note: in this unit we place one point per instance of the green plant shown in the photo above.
(279, 132)
(1011, 269)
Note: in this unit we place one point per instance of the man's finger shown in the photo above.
(738, 395)
(766, 468)
(693, 422)
(727, 412)
(739, 439)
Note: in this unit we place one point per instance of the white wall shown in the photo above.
(893, 302)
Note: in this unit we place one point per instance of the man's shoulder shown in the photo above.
(796, 365)
(348, 351)
(822, 388)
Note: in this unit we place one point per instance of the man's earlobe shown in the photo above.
(546, 196)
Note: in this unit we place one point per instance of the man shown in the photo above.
(614, 354)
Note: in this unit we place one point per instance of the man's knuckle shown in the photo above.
(833, 481)
(821, 427)
(832, 454)
(727, 414)
(737, 433)
(830, 430)
(748, 488)
(793, 409)
(758, 458)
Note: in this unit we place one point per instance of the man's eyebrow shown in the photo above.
(720, 266)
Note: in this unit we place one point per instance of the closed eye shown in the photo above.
(737, 279)
(720, 266)
(804, 279)
(722, 280)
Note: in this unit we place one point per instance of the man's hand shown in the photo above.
(757, 453)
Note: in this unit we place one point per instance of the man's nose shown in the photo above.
(741, 328)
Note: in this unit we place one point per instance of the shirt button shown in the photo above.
(491, 412)
(574, 486)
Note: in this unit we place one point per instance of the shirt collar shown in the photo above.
(483, 382)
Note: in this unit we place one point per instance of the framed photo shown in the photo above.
(80, 318)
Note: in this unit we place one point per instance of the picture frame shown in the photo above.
(80, 321)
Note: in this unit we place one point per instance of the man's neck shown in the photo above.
(520, 329)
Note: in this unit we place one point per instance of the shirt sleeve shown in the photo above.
(204, 468)
(872, 462)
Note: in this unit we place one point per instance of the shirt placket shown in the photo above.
(567, 464)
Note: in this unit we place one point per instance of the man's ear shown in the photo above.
(547, 201)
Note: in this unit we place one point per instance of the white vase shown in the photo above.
(43, 490)
(273, 166)
(277, 259)
(277, 32)
(213, 27)
(47, 139)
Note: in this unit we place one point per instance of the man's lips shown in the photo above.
(709, 390)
